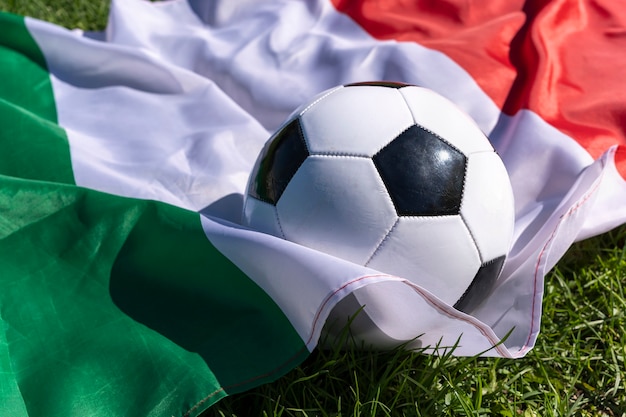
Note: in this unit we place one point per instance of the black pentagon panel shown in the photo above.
(390, 84)
(481, 286)
(280, 159)
(423, 174)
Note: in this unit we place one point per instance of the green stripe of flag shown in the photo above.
(27, 113)
(112, 305)
(77, 260)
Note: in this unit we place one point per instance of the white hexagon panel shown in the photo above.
(436, 253)
(364, 120)
(338, 205)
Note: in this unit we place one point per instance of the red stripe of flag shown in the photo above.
(563, 59)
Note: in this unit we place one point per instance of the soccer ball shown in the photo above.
(390, 176)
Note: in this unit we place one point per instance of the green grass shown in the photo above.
(82, 14)
(576, 369)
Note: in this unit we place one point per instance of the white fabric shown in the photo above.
(176, 101)
(306, 284)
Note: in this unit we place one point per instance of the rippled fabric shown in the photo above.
(563, 60)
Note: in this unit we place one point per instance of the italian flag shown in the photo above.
(127, 284)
